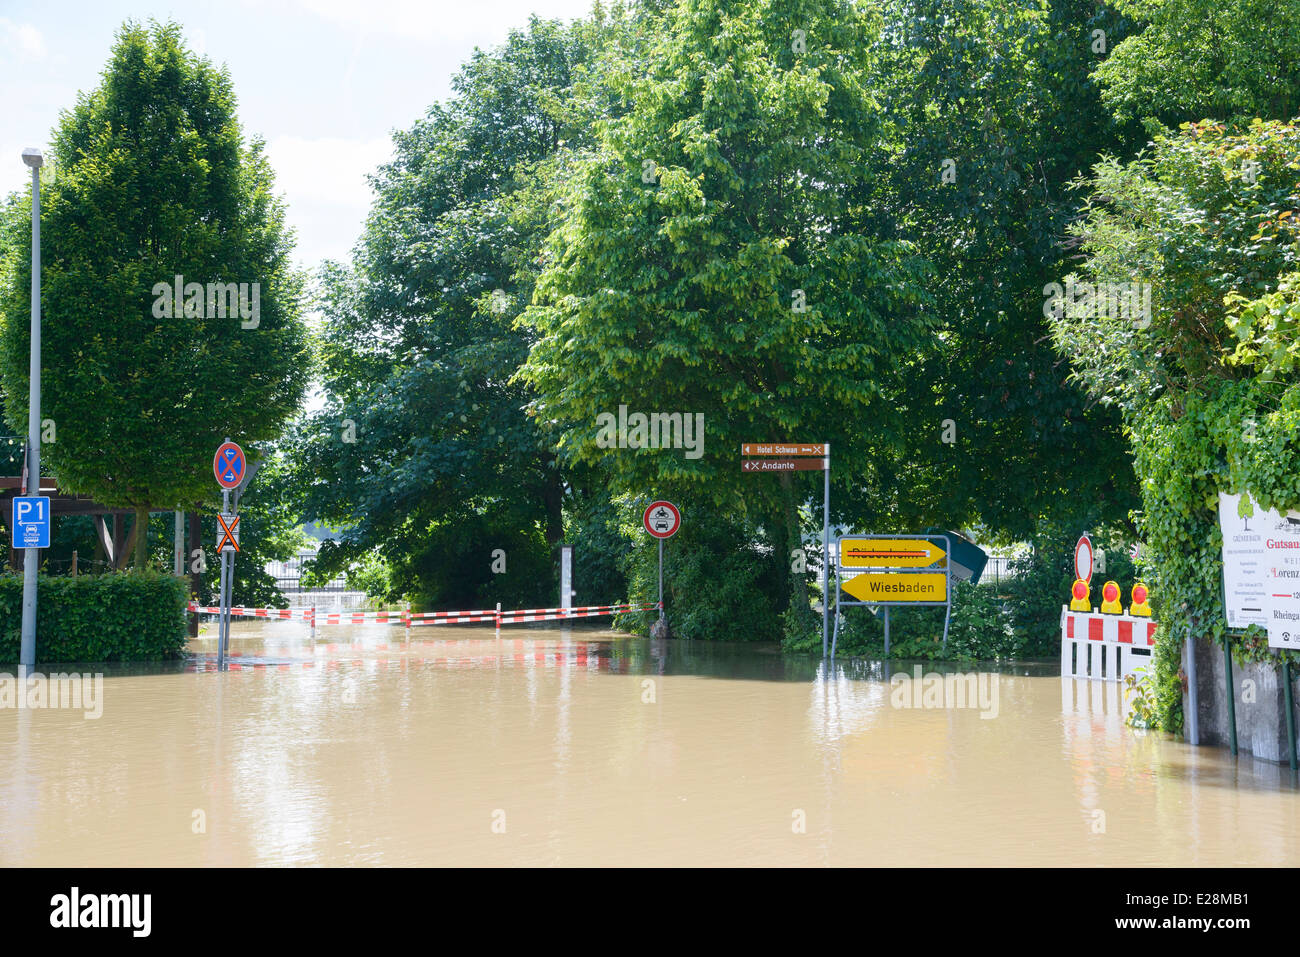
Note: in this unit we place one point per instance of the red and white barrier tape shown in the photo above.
(558, 614)
(286, 614)
(453, 619)
(453, 614)
(512, 617)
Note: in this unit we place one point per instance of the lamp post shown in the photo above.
(32, 556)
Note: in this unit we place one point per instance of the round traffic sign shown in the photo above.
(662, 519)
(1083, 559)
(228, 465)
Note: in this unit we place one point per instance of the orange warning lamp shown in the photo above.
(1079, 596)
(1139, 606)
(1110, 599)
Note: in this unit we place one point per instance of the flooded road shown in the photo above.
(585, 748)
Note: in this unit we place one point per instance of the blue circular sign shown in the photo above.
(228, 465)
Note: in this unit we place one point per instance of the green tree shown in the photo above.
(423, 437)
(154, 181)
(712, 261)
(994, 113)
(1207, 388)
(1200, 58)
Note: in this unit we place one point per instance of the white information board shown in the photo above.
(1282, 601)
(1261, 571)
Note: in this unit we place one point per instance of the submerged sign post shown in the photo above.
(231, 469)
(888, 570)
(662, 520)
(800, 457)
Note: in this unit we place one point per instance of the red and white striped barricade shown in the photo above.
(1104, 647)
(239, 611)
(522, 615)
(408, 619)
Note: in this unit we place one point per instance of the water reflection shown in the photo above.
(369, 745)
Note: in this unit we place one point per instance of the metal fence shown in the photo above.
(288, 574)
(998, 569)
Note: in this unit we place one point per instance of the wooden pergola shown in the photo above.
(111, 539)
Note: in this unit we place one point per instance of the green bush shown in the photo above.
(980, 629)
(714, 588)
(125, 616)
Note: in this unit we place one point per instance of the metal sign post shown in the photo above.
(822, 462)
(888, 570)
(231, 470)
(223, 620)
(826, 549)
(662, 520)
(661, 578)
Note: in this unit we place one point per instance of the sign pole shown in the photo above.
(947, 611)
(661, 520)
(1232, 704)
(826, 547)
(223, 599)
(886, 631)
(661, 578)
(232, 473)
(1290, 710)
(1193, 705)
(32, 556)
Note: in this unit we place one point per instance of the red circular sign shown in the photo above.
(1083, 559)
(661, 519)
(229, 465)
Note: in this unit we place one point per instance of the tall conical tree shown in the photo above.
(155, 181)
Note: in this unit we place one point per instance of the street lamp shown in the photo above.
(32, 556)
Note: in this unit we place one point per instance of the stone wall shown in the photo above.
(1259, 699)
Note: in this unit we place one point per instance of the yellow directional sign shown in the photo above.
(890, 553)
(898, 586)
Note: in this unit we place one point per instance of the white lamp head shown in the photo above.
(33, 158)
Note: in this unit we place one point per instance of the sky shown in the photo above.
(324, 82)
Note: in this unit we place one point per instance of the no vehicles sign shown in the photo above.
(662, 519)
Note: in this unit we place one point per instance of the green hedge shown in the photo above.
(125, 616)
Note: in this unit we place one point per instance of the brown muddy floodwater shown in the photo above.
(587, 748)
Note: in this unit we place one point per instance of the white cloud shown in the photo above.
(21, 39)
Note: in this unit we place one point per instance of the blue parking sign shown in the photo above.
(31, 521)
